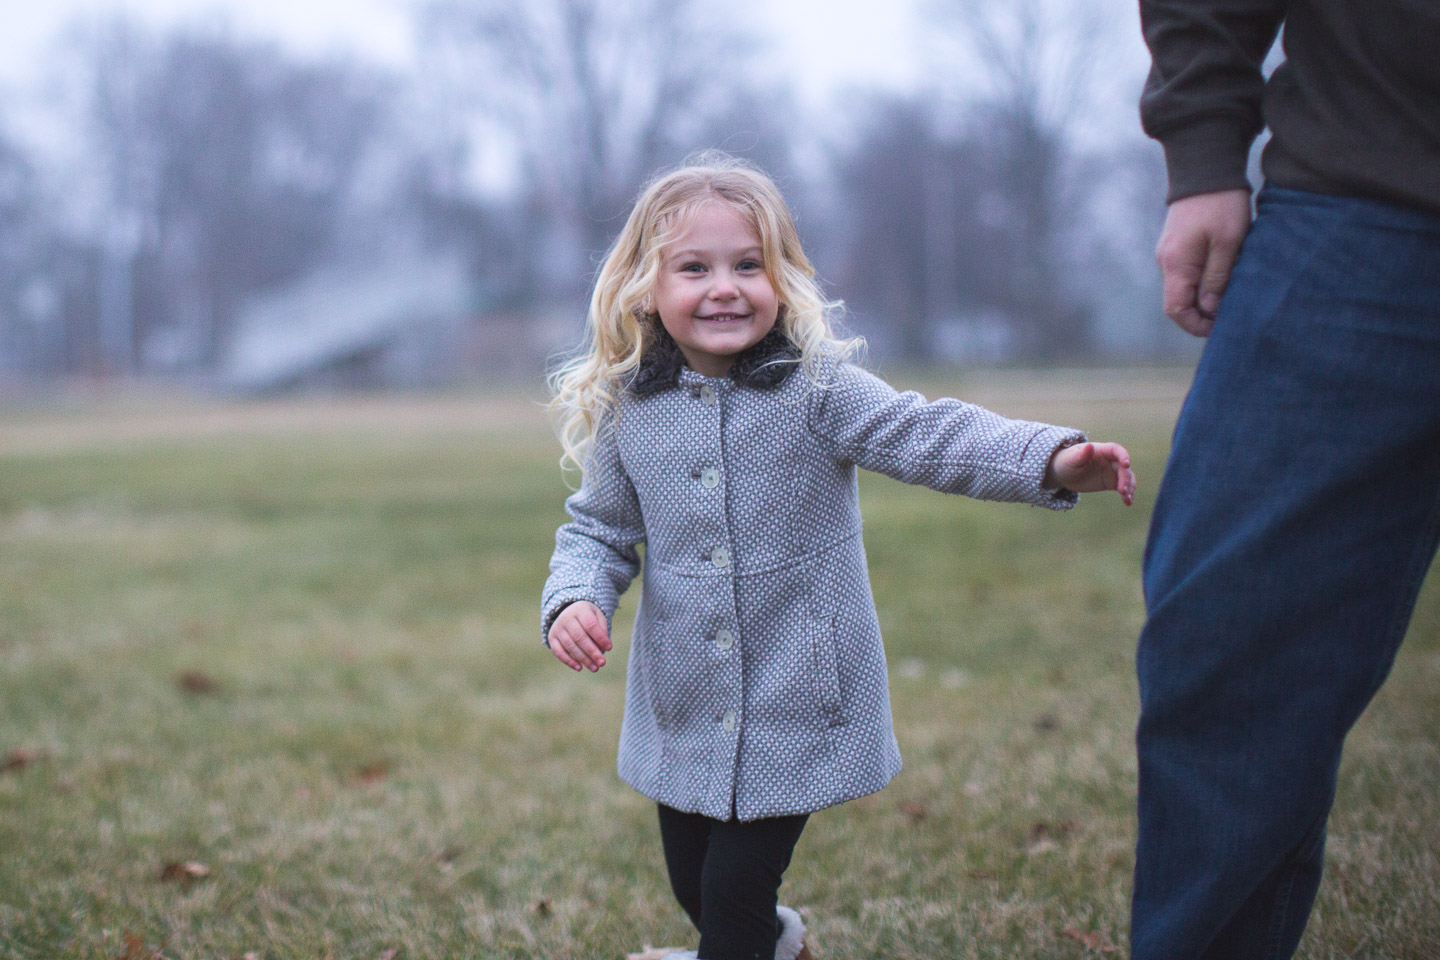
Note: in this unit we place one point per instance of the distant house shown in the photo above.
(401, 324)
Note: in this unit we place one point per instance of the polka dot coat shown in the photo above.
(757, 683)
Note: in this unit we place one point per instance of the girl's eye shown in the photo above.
(692, 268)
(748, 265)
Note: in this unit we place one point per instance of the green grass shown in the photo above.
(389, 760)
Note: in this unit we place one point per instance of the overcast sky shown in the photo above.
(832, 43)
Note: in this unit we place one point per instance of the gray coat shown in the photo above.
(757, 683)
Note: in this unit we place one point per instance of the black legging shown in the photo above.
(726, 874)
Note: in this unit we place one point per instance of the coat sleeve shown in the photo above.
(595, 557)
(1202, 97)
(947, 445)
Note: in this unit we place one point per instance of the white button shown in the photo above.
(710, 478)
(707, 395)
(728, 722)
(720, 557)
(724, 639)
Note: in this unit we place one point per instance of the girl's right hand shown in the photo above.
(578, 636)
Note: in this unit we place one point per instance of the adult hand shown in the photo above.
(1197, 248)
(578, 636)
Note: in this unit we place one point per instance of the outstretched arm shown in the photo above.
(1202, 102)
(945, 444)
(1092, 468)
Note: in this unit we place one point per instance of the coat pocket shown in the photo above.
(825, 669)
(654, 647)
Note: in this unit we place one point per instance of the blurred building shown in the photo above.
(405, 324)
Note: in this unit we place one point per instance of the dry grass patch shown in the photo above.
(272, 686)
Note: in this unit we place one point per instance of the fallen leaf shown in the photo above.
(184, 870)
(1043, 836)
(373, 772)
(135, 949)
(1041, 830)
(196, 681)
(915, 811)
(1092, 940)
(20, 759)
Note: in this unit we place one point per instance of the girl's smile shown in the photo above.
(713, 294)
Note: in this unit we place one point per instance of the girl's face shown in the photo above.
(713, 295)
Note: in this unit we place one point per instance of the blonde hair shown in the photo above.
(618, 330)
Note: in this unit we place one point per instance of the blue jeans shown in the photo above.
(1298, 515)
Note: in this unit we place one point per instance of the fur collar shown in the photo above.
(767, 364)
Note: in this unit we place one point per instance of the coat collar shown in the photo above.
(767, 364)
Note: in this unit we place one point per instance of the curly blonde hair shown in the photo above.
(618, 329)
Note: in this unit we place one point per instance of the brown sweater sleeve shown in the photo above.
(1202, 98)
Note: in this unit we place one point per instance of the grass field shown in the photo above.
(272, 687)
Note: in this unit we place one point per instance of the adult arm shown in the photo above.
(1202, 102)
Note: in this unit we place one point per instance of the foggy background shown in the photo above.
(415, 193)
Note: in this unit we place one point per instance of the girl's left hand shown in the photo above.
(1092, 468)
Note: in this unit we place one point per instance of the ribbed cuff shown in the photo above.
(562, 597)
(1038, 454)
(1205, 157)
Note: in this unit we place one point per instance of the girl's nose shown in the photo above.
(723, 286)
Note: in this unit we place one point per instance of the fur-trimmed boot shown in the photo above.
(790, 946)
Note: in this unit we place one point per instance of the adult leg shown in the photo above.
(740, 866)
(1298, 515)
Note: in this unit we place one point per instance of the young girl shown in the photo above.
(719, 422)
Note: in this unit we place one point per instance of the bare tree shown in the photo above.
(21, 237)
(883, 268)
(587, 97)
(1027, 76)
(225, 167)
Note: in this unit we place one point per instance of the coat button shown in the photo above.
(724, 639)
(710, 478)
(707, 395)
(728, 721)
(720, 557)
